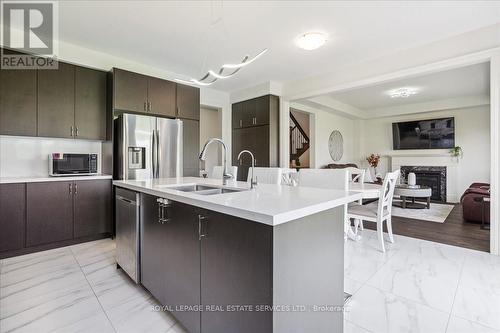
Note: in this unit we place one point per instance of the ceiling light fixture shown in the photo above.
(402, 92)
(213, 76)
(311, 40)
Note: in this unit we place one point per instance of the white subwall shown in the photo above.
(29, 156)
(472, 134)
(210, 127)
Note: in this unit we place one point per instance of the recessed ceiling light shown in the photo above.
(311, 40)
(402, 92)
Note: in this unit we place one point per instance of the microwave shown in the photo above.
(63, 164)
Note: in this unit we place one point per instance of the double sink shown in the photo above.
(205, 189)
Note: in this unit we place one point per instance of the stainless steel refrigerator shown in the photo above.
(147, 147)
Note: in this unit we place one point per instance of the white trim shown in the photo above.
(495, 152)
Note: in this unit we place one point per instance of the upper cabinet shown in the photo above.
(130, 91)
(18, 102)
(139, 93)
(56, 101)
(161, 97)
(188, 102)
(90, 104)
(67, 102)
(254, 112)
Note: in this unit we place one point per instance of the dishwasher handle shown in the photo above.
(129, 201)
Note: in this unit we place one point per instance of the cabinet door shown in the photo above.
(130, 91)
(182, 266)
(92, 207)
(161, 97)
(262, 110)
(18, 102)
(12, 216)
(261, 147)
(56, 101)
(248, 112)
(153, 233)
(188, 102)
(237, 115)
(191, 147)
(49, 212)
(243, 138)
(90, 104)
(236, 268)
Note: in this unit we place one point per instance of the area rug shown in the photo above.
(437, 213)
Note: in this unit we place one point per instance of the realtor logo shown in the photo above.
(29, 28)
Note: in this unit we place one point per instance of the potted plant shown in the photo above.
(373, 161)
(457, 152)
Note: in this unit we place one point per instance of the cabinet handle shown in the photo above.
(254, 120)
(71, 130)
(201, 234)
(150, 106)
(76, 131)
(70, 188)
(241, 123)
(162, 204)
(145, 106)
(76, 189)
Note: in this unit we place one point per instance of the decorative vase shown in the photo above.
(412, 179)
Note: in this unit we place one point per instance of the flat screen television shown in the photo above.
(424, 134)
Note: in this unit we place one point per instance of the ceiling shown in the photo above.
(456, 83)
(188, 38)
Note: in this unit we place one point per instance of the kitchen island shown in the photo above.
(234, 259)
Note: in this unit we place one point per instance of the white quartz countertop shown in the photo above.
(269, 204)
(11, 180)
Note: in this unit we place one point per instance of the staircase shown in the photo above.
(299, 141)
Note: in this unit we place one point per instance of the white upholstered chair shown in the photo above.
(335, 179)
(357, 176)
(380, 211)
(265, 175)
(218, 169)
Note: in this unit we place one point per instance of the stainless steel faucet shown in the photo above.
(225, 175)
(253, 182)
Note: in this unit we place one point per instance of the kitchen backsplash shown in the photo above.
(28, 156)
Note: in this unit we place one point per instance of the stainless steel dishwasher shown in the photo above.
(127, 219)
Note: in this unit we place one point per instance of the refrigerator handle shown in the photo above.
(153, 153)
(157, 152)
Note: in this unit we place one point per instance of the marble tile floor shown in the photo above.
(416, 286)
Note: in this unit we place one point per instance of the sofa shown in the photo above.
(472, 203)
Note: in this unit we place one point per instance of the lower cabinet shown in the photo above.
(49, 215)
(12, 216)
(191, 256)
(93, 207)
(42, 214)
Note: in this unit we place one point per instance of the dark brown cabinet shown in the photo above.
(161, 97)
(199, 257)
(236, 269)
(130, 91)
(49, 212)
(92, 207)
(18, 102)
(56, 101)
(12, 216)
(191, 147)
(90, 104)
(152, 247)
(188, 102)
(259, 133)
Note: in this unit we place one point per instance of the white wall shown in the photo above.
(322, 125)
(29, 156)
(472, 134)
(210, 127)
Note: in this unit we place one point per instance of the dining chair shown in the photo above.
(334, 179)
(266, 175)
(357, 176)
(380, 211)
(218, 169)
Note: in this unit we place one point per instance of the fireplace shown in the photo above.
(432, 176)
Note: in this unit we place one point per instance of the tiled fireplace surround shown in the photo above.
(432, 161)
